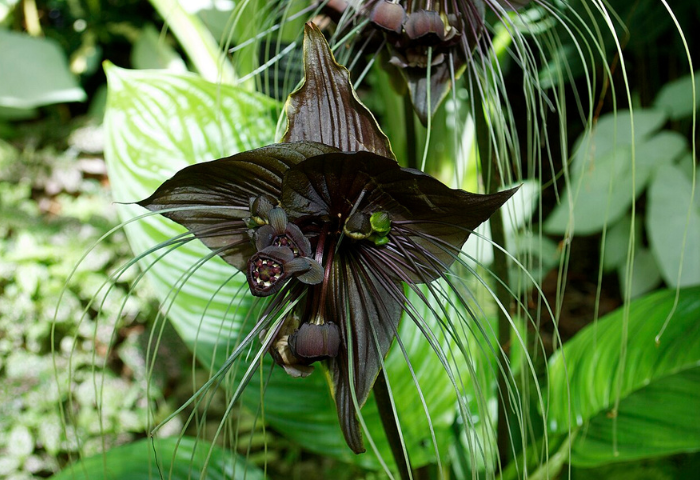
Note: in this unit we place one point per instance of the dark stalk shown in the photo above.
(410, 126)
(492, 181)
(386, 413)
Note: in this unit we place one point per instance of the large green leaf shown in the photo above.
(618, 358)
(158, 123)
(34, 72)
(172, 458)
(659, 419)
(676, 97)
(605, 169)
(673, 226)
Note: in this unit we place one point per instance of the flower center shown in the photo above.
(267, 272)
(285, 241)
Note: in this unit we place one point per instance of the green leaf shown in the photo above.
(645, 273)
(202, 49)
(673, 226)
(171, 458)
(605, 169)
(618, 358)
(151, 51)
(676, 98)
(44, 77)
(158, 123)
(659, 419)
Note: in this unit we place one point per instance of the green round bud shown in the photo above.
(381, 223)
(379, 241)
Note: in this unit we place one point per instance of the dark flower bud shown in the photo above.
(358, 226)
(290, 237)
(282, 354)
(278, 219)
(388, 15)
(260, 208)
(315, 341)
(424, 22)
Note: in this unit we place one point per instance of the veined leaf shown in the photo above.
(618, 358)
(607, 175)
(171, 458)
(673, 226)
(659, 419)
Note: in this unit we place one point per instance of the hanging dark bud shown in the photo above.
(388, 15)
(280, 233)
(282, 354)
(260, 208)
(315, 341)
(424, 22)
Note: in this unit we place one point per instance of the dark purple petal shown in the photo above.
(363, 303)
(221, 190)
(325, 108)
(432, 220)
(438, 84)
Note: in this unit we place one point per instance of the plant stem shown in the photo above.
(491, 178)
(410, 123)
(387, 414)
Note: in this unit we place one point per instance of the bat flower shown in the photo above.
(329, 227)
(426, 34)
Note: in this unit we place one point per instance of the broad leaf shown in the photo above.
(673, 226)
(44, 77)
(618, 358)
(607, 174)
(659, 419)
(326, 109)
(676, 98)
(158, 123)
(151, 51)
(168, 458)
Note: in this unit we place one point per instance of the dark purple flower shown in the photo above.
(327, 222)
(421, 36)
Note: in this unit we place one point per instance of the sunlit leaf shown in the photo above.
(659, 419)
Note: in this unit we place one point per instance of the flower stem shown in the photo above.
(410, 125)
(387, 414)
(492, 181)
